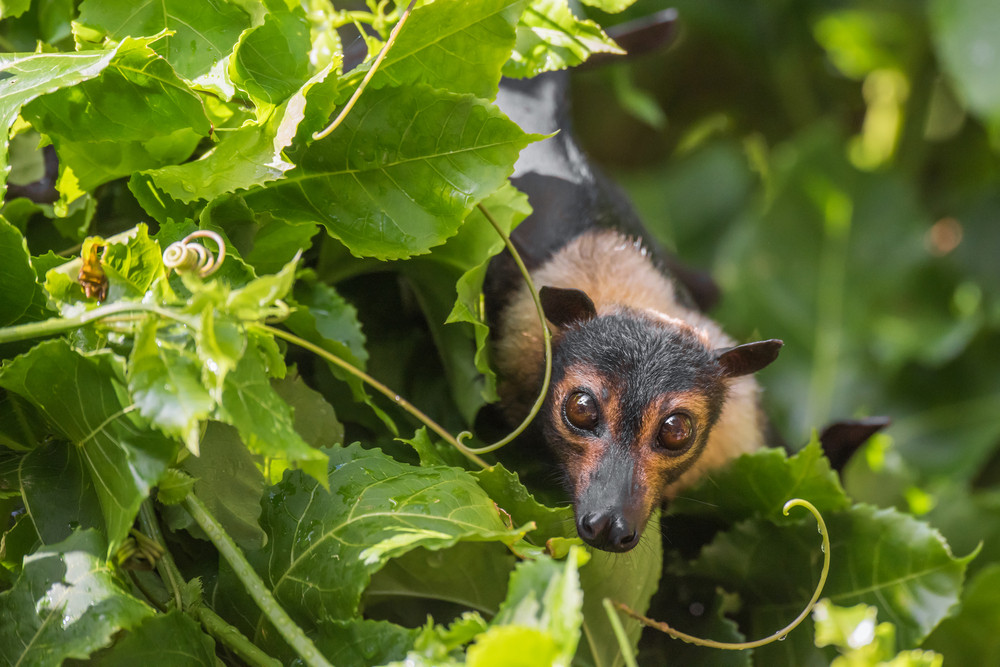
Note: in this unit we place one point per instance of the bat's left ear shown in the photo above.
(565, 306)
(748, 358)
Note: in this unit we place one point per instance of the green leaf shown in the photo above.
(65, 604)
(610, 6)
(401, 173)
(324, 547)
(270, 60)
(245, 157)
(134, 264)
(168, 640)
(252, 301)
(137, 115)
(34, 74)
(472, 575)
(604, 577)
(202, 33)
(323, 317)
(759, 484)
(879, 557)
(315, 419)
(506, 489)
(963, 33)
(539, 622)
(123, 458)
(359, 643)
(462, 262)
(972, 636)
(165, 383)
(58, 491)
(17, 278)
(550, 38)
(263, 419)
(458, 45)
(264, 243)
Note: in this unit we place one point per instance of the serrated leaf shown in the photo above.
(34, 74)
(65, 604)
(401, 173)
(462, 262)
(270, 60)
(359, 643)
(123, 457)
(173, 639)
(252, 301)
(972, 636)
(201, 33)
(228, 481)
(165, 383)
(543, 595)
(263, 419)
(879, 557)
(136, 115)
(759, 484)
(610, 6)
(472, 575)
(605, 577)
(550, 38)
(458, 45)
(134, 264)
(324, 318)
(58, 491)
(506, 489)
(246, 157)
(17, 279)
(324, 547)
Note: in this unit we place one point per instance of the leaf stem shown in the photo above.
(368, 76)
(291, 632)
(165, 563)
(780, 634)
(57, 325)
(619, 630)
(388, 393)
(546, 336)
(233, 638)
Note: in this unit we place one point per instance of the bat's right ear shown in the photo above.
(565, 306)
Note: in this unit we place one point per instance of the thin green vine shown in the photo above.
(388, 393)
(546, 336)
(368, 76)
(777, 636)
(616, 625)
(286, 627)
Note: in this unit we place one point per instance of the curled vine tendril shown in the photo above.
(780, 634)
(187, 256)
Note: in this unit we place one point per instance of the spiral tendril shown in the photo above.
(186, 255)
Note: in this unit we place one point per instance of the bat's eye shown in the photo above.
(676, 433)
(581, 411)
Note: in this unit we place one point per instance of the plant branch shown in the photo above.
(780, 634)
(619, 630)
(291, 632)
(165, 565)
(368, 76)
(234, 639)
(58, 325)
(388, 393)
(546, 336)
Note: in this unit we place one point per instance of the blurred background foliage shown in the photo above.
(835, 166)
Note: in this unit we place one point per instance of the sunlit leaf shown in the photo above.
(123, 458)
(550, 37)
(424, 159)
(66, 604)
(202, 32)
